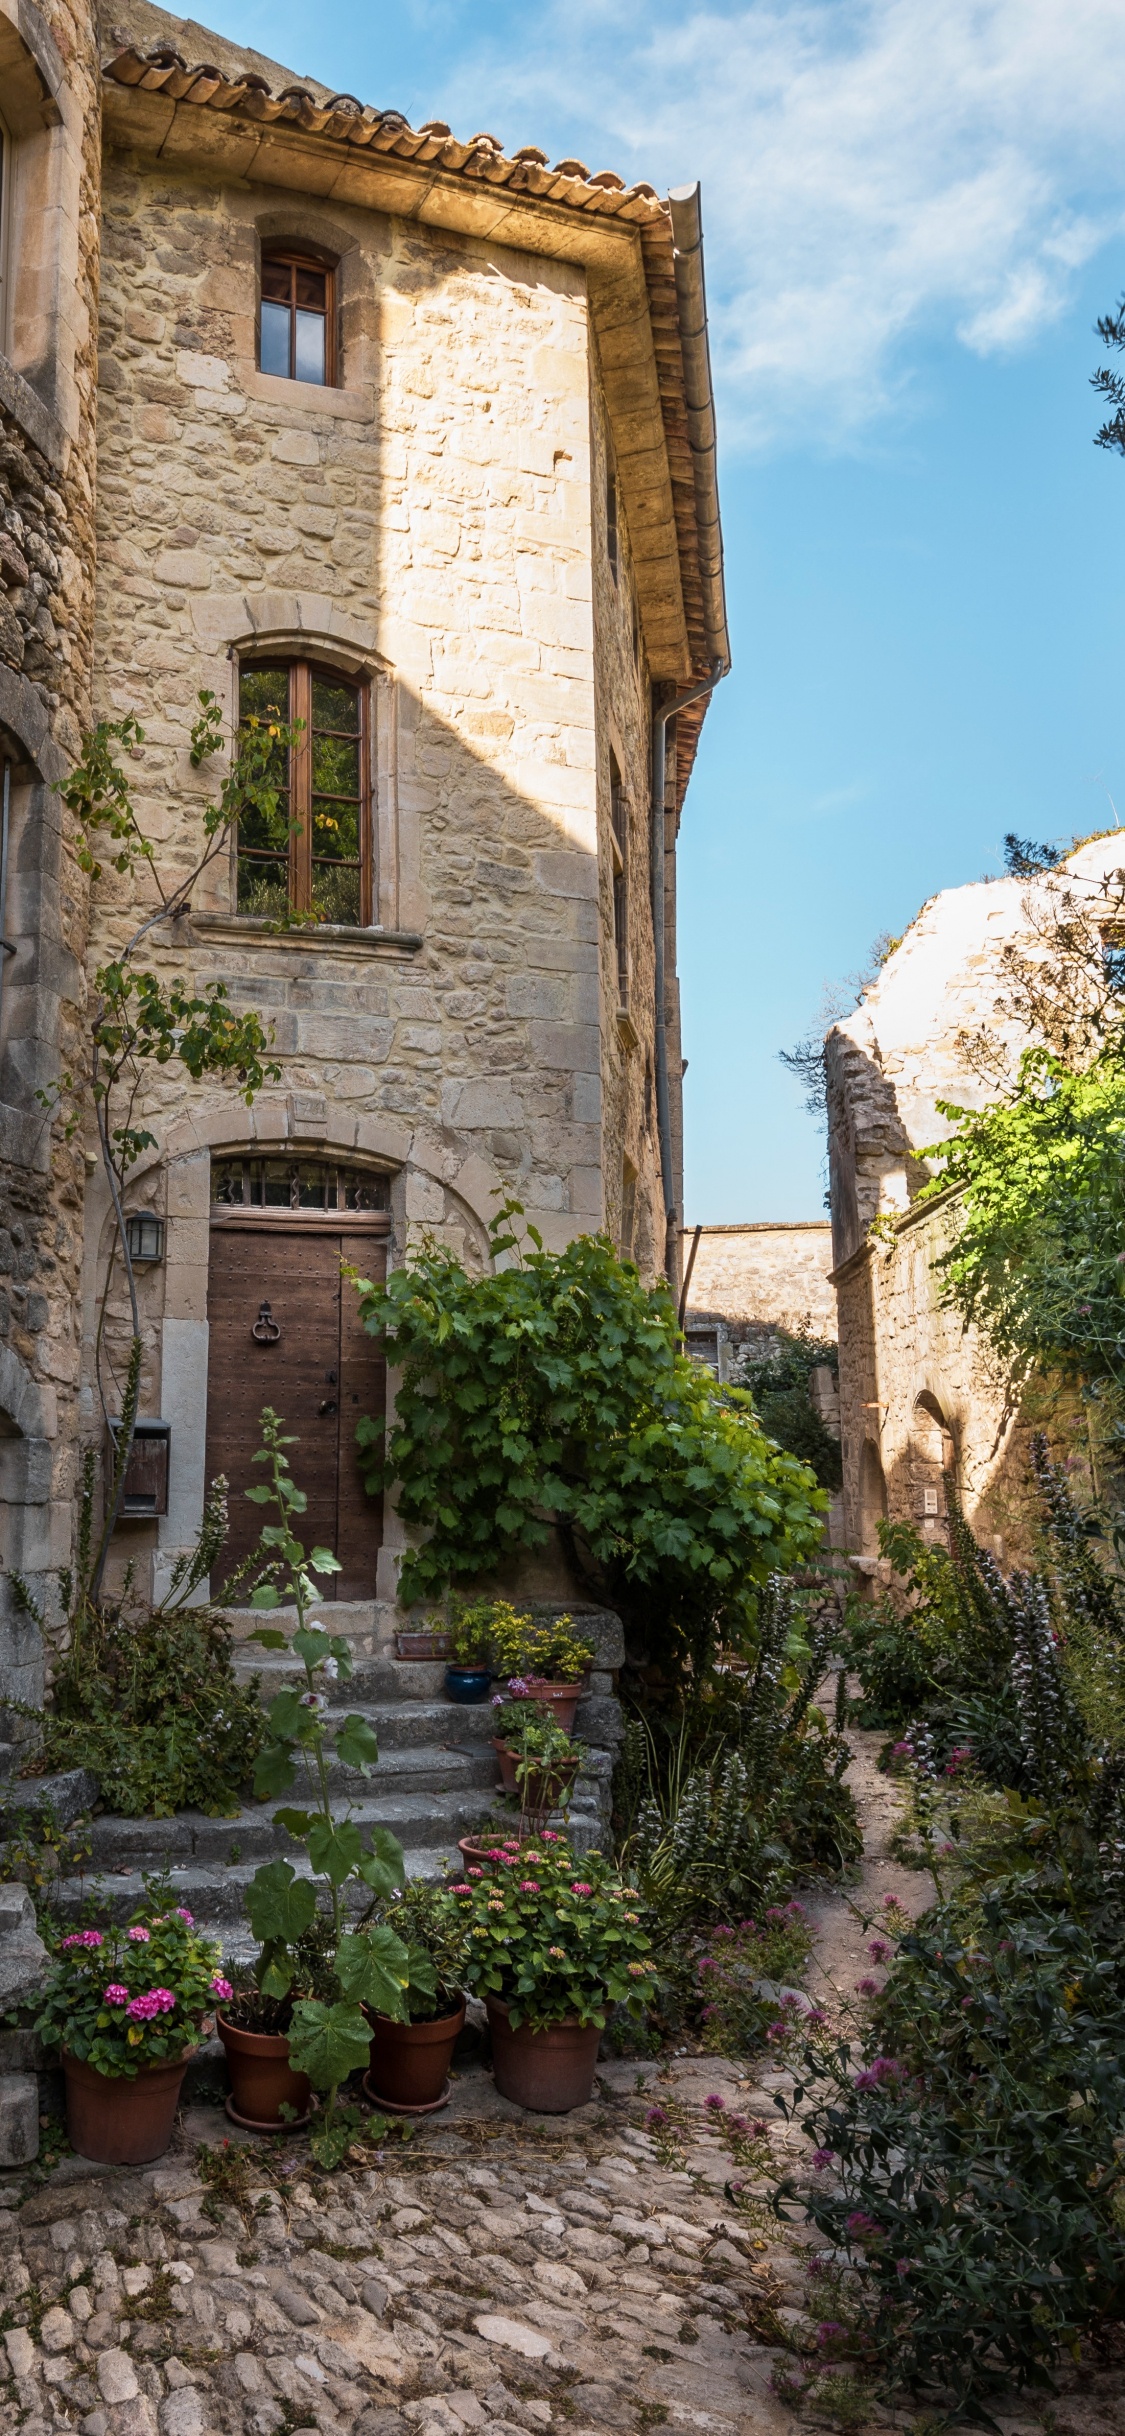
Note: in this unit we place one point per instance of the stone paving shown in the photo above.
(500, 2273)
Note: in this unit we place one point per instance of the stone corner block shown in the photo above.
(65, 1797)
(19, 2118)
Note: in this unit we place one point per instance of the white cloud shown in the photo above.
(872, 169)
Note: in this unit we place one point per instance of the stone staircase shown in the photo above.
(437, 1778)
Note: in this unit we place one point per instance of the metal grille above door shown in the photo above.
(285, 1330)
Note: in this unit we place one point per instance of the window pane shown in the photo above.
(263, 886)
(263, 693)
(335, 706)
(275, 340)
(335, 766)
(335, 892)
(310, 346)
(310, 288)
(335, 835)
(276, 278)
(312, 1192)
(227, 1183)
(277, 1179)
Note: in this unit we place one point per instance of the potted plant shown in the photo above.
(425, 1641)
(266, 2094)
(537, 1760)
(550, 1659)
(468, 1677)
(410, 2059)
(127, 2008)
(552, 1941)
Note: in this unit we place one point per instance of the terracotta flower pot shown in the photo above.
(410, 2062)
(549, 2071)
(422, 1644)
(262, 2079)
(559, 1699)
(475, 1849)
(117, 2121)
(544, 1786)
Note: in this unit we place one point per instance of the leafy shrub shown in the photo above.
(552, 1391)
(778, 1380)
(151, 1703)
(430, 1925)
(734, 2009)
(745, 1785)
(945, 1640)
(971, 2168)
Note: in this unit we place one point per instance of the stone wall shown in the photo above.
(48, 372)
(920, 1393)
(774, 1273)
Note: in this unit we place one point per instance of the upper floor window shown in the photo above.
(313, 855)
(298, 319)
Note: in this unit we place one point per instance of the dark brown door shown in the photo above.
(308, 1356)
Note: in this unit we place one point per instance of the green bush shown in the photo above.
(779, 1383)
(972, 2167)
(551, 1391)
(151, 1703)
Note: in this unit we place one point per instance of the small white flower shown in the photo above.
(331, 1668)
(313, 1700)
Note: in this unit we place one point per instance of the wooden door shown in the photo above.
(307, 1356)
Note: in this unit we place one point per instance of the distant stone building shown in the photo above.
(921, 1395)
(756, 1276)
(414, 441)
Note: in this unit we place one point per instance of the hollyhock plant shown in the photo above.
(121, 1999)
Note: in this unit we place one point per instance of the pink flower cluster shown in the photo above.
(883, 2069)
(579, 1887)
(115, 1994)
(138, 1936)
(221, 1988)
(146, 2008)
(529, 1886)
(90, 1938)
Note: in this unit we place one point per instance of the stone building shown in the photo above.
(757, 1276)
(413, 440)
(921, 1396)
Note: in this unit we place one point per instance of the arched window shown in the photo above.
(313, 856)
(297, 329)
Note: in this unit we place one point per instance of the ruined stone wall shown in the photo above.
(919, 1392)
(771, 1273)
(48, 370)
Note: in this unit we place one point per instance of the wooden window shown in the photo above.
(314, 856)
(611, 521)
(619, 849)
(298, 319)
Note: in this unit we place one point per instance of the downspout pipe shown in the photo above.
(691, 298)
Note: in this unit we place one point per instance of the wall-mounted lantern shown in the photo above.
(144, 1235)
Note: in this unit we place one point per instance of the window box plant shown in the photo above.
(127, 2008)
(410, 2059)
(552, 1942)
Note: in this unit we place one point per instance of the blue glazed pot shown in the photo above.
(468, 1684)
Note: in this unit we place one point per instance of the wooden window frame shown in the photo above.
(301, 673)
(612, 522)
(299, 260)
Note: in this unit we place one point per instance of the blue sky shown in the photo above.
(914, 211)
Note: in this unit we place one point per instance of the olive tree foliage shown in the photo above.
(551, 1391)
(138, 1019)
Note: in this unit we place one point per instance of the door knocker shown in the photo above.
(266, 1329)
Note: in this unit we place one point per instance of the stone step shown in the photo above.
(417, 1815)
(214, 1896)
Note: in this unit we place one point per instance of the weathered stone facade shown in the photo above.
(764, 1272)
(50, 100)
(920, 1394)
(490, 519)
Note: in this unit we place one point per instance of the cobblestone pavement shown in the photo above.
(500, 2272)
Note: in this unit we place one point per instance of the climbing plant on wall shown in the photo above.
(551, 1391)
